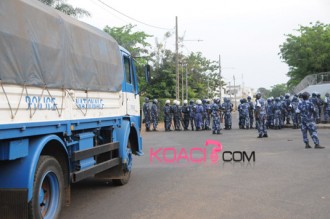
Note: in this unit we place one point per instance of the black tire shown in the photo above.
(127, 172)
(123, 181)
(49, 187)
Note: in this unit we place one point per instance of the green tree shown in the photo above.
(278, 90)
(68, 9)
(135, 42)
(307, 52)
(264, 92)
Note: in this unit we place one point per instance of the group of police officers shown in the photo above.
(303, 111)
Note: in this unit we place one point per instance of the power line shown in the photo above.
(133, 18)
(108, 10)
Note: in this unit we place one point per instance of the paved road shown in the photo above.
(285, 181)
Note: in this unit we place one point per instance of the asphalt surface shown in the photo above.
(285, 181)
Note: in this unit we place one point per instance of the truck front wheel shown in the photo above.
(127, 170)
(48, 189)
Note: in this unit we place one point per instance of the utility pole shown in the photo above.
(229, 90)
(182, 87)
(235, 92)
(186, 81)
(177, 93)
(220, 77)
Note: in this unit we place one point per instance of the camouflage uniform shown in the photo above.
(295, 113)
(199, 110)
(207, 112)
(173, 113)
(146, 113)
(191, 114)
(307, 111)
(154, 114)
(288, 108)
(177, 116)
(260, 115)
(277, 110)
(215, 113)
(250, 111)
(167, 116)
(316, 111)
(186, 113)
(245, 114)
(319, 105)
(270, 113)
(227, 107)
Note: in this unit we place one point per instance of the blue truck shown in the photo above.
(69, 108)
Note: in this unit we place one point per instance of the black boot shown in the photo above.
(265, 136)
(213, 132)
(260, 136)
(317, 146)
(218, 132)
(307, 146)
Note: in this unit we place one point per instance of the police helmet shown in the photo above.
(185, 101)
(167, 102)
(155, 101)
(258, 95)
(305, 95)
(146, 99)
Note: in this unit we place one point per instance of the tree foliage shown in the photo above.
(278, 90)
(135, 42)
(68, 9)
(202, 73)
(308, 52)
(264, 92)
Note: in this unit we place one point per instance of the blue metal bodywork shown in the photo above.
(19, 173)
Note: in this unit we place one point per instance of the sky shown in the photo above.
(245, 33)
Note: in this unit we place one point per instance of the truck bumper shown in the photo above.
(13, 203)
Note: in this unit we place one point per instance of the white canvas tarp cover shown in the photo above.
(41, 46)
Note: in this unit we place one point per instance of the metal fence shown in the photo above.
(319, 78)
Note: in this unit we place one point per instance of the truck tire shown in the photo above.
(48, 189)
(127, 170)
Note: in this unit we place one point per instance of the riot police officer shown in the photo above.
(146, 113)
(154, 114)
(186, 113)
(167, 116)
(260, 115)
(307, 112)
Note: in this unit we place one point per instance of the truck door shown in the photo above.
(130, 89)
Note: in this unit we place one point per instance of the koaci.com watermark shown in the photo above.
(169, 155)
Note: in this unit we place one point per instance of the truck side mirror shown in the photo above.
(147, 73)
